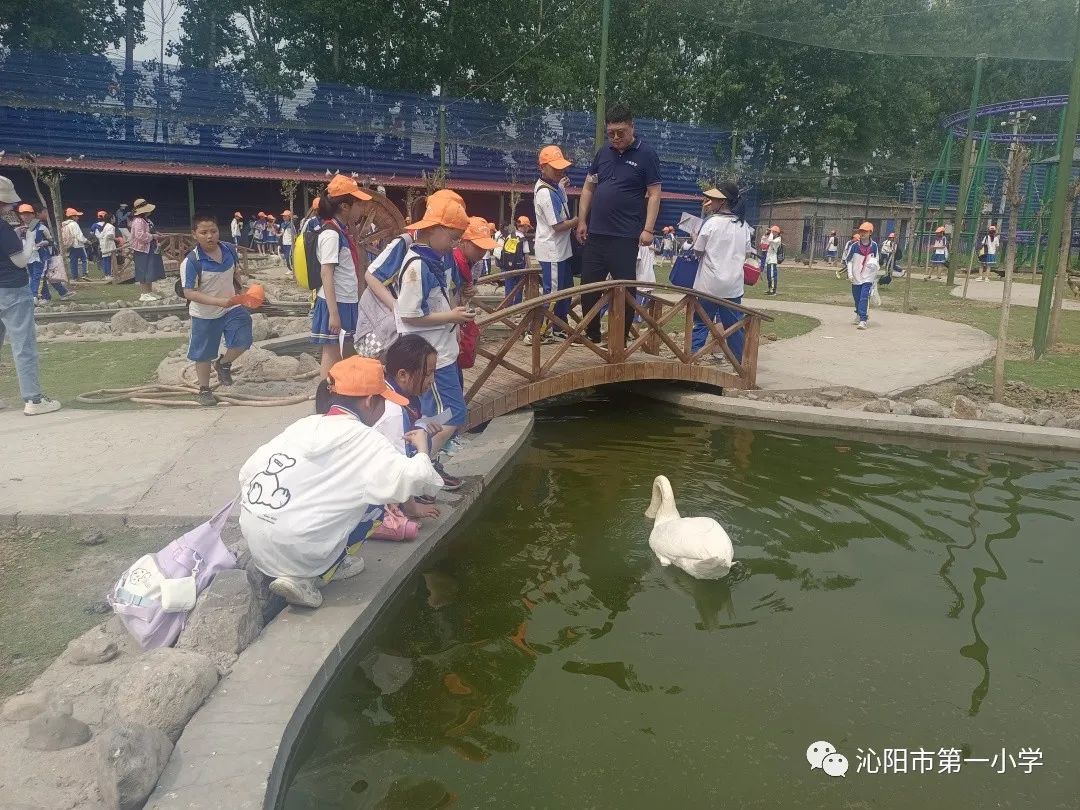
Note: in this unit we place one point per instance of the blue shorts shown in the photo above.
(447, 391)
(206, 334)
(989, 260)
(320, 321)
(830, 254)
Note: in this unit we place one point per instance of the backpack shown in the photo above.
(178, 287)
(780, 255)
(305, 260)
(153, 597)
(510, 246)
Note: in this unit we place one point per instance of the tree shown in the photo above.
(1063, 266)
(1019, 158)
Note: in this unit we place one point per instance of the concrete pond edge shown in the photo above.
(916, 427)
(235, 750)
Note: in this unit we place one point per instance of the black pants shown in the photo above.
(608, 255)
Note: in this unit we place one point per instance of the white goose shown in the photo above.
(697, 545)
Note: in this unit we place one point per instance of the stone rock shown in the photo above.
(170, 370)
(258, 365)
(53, 730)
(26, 705)
(307, 364)
(1047, 418)
(164, 689)
(94, 328)
(928, 408)
(128, 320)
(996, 412)
(964, 408)
(831, 396)
(260, 327)
(901, 409)
(93, 647)
(270, 604)
(170, 323)
(282, 326)
(226, 618)
(91, 537)
(878, 406)
(131, 757)
(1073, 424)
(389, 673)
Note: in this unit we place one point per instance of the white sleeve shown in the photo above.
(409, 303)
(329, 242)
(702, 241)
(545, 210)
(394, 477)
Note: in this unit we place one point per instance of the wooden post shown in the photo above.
(656, 310)
(750, 348)
(616, 333)
(191, 201)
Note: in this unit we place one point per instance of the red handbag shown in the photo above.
(751, 272)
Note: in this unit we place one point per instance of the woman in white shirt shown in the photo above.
(772, 244)
(107, 245)
(988, 250)
(721, 247)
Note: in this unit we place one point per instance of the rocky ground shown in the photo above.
(960, 398)
(96, 728)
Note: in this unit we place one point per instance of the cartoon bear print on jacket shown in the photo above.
(265, 487)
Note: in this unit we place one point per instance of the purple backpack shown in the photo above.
(137, 596)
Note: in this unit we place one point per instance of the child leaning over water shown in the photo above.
(208, 276)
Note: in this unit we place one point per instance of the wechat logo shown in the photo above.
(822, 754)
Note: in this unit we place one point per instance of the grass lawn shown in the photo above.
(102, 293)
(1057, 369)
(69, 369)
(33, 563)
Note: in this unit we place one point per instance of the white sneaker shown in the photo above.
(348, 567)
(297, 591)
(43, 405)
(862, 325)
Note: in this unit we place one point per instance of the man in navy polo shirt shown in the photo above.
(618, 208)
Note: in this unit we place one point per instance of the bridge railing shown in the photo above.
(654, 316)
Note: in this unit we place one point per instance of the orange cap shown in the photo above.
(892, 235)
(238, 215)
(492, 228)
(101, 214)
(867, 226)
(479, 233)
(286, 213)
(251, 298)
(358, 376)
(71, 212)
(941, 229)
(443, 211)
(524, 220)
(448, 194)
(552, 156)
(271, 217)
(25, 208)
(774, 229)
(342, 186)
(261, 215)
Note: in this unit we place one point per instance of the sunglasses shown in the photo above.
(617, 133)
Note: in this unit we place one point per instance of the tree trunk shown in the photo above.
(129, 70)
(1062, 270)
(52, 182)
(1018, 160)
(915, 180)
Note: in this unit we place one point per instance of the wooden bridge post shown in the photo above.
(750, 348)
(616, 333)
(656, 311)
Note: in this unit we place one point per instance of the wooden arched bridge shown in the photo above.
(510, 374)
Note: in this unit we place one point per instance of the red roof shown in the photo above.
(242, 173)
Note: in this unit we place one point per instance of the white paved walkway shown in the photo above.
(1024, 293)
(896, 353)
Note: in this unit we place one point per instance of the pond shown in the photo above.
(915, 608)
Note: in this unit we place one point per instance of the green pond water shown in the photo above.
(884, 598)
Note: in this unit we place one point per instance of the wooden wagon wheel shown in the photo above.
(380, 221)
